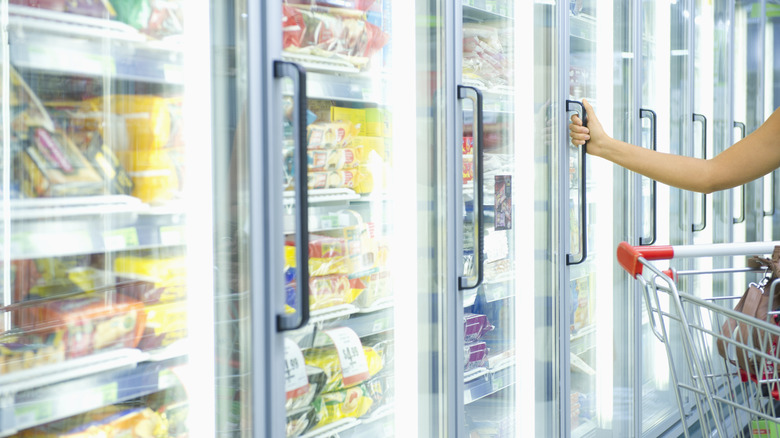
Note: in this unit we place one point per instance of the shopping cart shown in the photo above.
(726, 381)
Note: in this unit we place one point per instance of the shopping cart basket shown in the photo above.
(715, 396)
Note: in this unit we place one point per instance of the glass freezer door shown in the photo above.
(589, 237)
(489, 95)
(107, 266)
(359, 227)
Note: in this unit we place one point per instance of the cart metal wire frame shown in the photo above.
(715, 396)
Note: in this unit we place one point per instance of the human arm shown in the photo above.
(750, 158)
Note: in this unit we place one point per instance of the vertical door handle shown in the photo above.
(703, 120)
(771, 211)
(583, 212)
(294, 321)
(741, 218)
(650, 114)
(475, 96)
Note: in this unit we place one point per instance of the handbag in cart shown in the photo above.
(754, 302)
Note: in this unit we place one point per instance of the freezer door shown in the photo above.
(107, 185)
(358, 269)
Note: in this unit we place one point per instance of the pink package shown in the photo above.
(474, 355)
(475, 326)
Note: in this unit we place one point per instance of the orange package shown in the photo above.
(93, 322)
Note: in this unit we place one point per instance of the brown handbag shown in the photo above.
(755, 303)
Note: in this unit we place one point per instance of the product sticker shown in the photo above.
(354, 366)
(503, 200)
(295, 381)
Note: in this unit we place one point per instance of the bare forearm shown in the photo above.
(675, 170)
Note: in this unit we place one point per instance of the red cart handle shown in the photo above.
(628, 256)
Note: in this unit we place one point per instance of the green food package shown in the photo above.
(136, 13)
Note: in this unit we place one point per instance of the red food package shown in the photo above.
(293, 27)
(93, 322)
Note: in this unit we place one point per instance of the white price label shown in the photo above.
(354, 366)
(295, 381)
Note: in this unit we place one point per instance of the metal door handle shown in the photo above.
(650, 114)
(472, 93)
(294, 321)
(583, 213)
(703, 120)
(741, 218)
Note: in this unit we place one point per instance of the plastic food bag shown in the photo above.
(475, 326)
(327, 360)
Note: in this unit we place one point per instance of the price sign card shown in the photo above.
(354, 366)
(295, 381)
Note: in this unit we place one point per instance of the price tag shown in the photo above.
(295, 381)
(354, 366)
(120, 239)
(172, 235)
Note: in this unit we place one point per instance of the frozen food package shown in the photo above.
(166, 323)
(333, 159)
(92, 8)
(27, 110)
(362, 5)
(131, 423)
(327, 255)
(329, 291)
(351, 402)
(327, 359)
(107, 164)
(154, 175)
(360, 244)
(29, 351)
(51, 165)
(317, 380)
(355, 116)
(337, 33)
(329, 135)
(484, 57)
(299, 421)
(166, 18)
(366, 145)
(92, 322)
(475, 326)
(378, 122)
(375, 288)
(136, 122)
(135, 13)
(474, 355)
(167, 275)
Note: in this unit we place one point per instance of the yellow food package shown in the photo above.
(331, 290)
(347, 403)
(365, 180)
(378, 122)
(153, 172)
(169, 275)
(325, 135)
(356, 116)
(327, 256)
(327, 359)
(366, 145)
(138, 121)
(166, 323)
(133, 423)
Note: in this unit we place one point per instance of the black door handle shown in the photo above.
(701, 118)
(294, 321)
(741, 218)
(650, 114)
(473, 93)
(576, 259)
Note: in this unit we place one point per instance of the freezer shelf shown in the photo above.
(37, 396)
(67, 44)
(326, 84)
(489, 383)
(364, 324)
(474, 12)
(54, 228)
